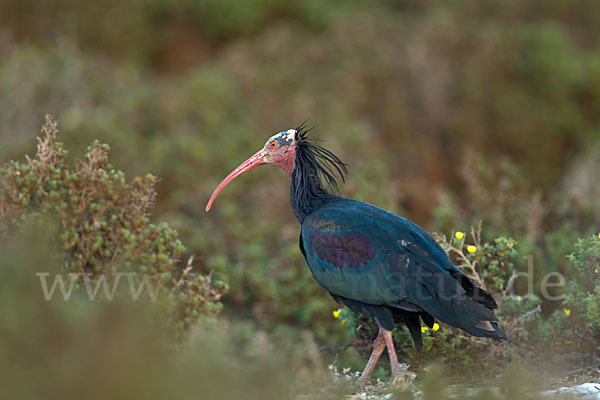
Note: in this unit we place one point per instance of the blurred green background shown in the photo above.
(447, 112)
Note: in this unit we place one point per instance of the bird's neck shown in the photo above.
(288, 166)
(306, 190)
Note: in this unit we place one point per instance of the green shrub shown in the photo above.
(104, 222)
(573, 327)
(584, 291)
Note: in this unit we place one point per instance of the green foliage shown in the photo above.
(575, 325)
(584, 293)
(104, 222)
(546, 227)
(499, 257)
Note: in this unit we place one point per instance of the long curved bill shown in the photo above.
(254, 161)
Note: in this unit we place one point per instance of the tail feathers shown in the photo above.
(484, 328)
(471, 314)
(473, 291)
(487, 329)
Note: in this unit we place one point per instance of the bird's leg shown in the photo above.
(378, 346)
(389, 342)
(399, 374)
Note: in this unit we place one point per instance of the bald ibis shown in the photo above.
(371, 260)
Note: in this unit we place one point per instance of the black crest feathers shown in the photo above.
(315, 171)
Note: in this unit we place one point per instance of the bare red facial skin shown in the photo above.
(281, 156)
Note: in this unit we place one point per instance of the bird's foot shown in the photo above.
(401, 375)
(361, 382)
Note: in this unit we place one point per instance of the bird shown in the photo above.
(370, 260)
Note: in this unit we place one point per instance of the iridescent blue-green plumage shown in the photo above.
(378, 263)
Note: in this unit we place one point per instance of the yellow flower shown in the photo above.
(510, 245)
(436, 327)
(344, 322)
(459, 235)
(336, 313)
(567, 311)
(471, 249)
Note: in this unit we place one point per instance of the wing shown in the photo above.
(360, 252)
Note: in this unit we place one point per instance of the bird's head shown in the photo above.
(280, 150)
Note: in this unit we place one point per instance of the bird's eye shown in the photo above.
(273, 144)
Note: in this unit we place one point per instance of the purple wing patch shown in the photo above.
(341, 249)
